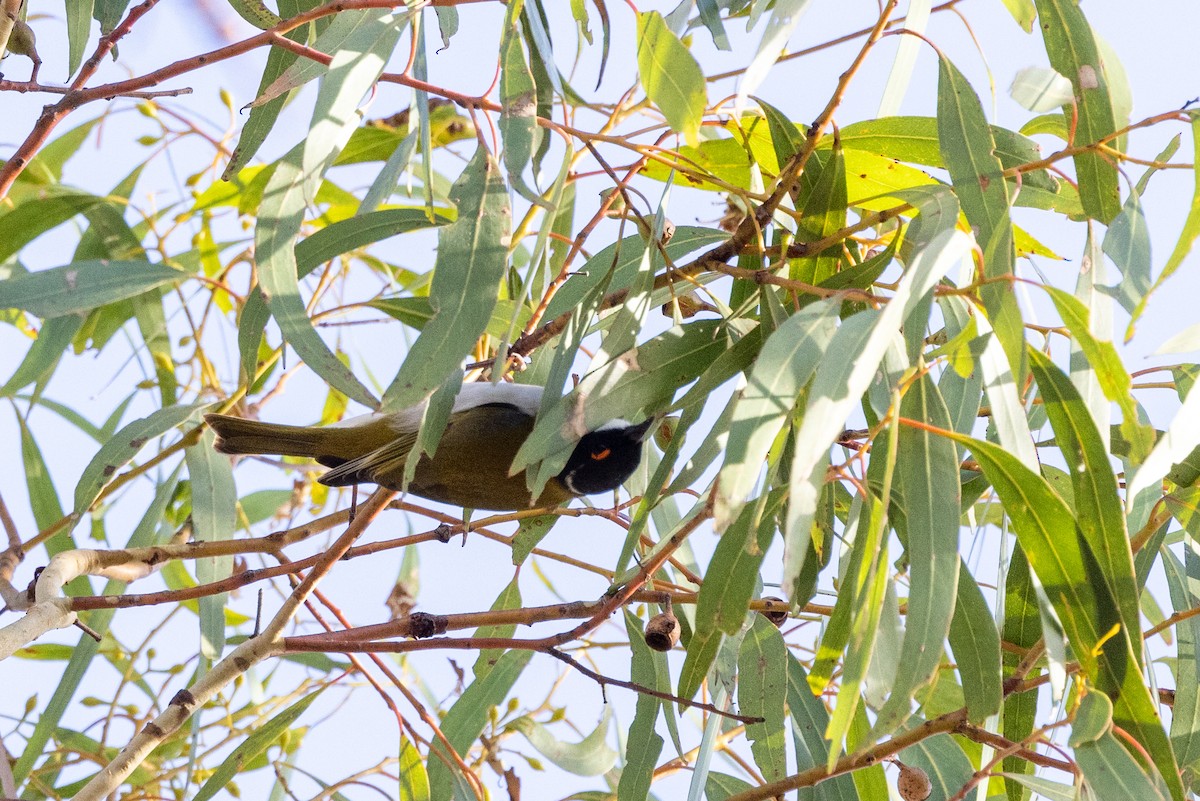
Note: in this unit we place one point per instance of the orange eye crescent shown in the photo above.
(602, 454)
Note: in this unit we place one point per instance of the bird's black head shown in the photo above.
(604, 458)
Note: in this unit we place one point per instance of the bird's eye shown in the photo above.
(601, 454)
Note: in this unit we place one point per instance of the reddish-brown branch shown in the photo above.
(310, 643)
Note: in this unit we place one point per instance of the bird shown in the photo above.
(470, 467)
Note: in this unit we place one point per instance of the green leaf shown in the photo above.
(465, 720)
(124, 445)
(841, 380)
(944, 762)
(46, 167)
(518, 99)
(1098, 511)
(37, 215)
(1022, 628)
(260, 739)
(214, 516)
(87, 648)
(670, 75)
(643, 744)
(529, 533)
(1114, 379)
(1185, 712)
(916, 140)
(350, 35)
(864, 588)
(1127, 243)
(1108, 769)
(471, 261)
(762, 682)
(591, 756)
(83, 285)
(152, 324)
(43, 355)
(509, 598)
(1073, 51)
(822, 196)
(262, 117)
(787, 360)
(927, 477)
(733, 571)
(1080, 596)
(296, 178)
(810, 719)
(975, 644)
(978, 178)
(414, 781)
(1191, 226)
(785, 16)
(623, 257)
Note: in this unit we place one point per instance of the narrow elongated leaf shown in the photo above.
(465, 720)
(785, 16)
(1191, 226)
(36, 216)
(263, 116)
(865, 585)
(1114, 379)
(1097, 504)
(916, 140)
(810, 719)
(626, 388)
(1022, 628)
(328, 243)
(472, 257)
(591, 756)
(670, 75)
(50, 715)
(518, 98)
(124, 445)
(1073, 51)
(1185, 712)
(260, 739)
(842, 379)
(1080, 596)
(294, 182)
(762, 682)
(353, 32)
(784, 365)
(978, 177)
(822, 195)
(975, 644)
(623, 257)
(414, 780)
(42, 357)
(927, 476)
(214, 515)
(83, 285)
(1127, 243)
(1108, 769)
(944, 762)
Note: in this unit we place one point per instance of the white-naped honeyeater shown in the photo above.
(470, 467)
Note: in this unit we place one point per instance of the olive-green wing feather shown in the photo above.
(383, 466)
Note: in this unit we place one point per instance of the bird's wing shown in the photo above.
(389, 457)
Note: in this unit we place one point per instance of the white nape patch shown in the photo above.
(615, 424)
(525, 397)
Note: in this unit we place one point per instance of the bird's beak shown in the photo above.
(642, 432)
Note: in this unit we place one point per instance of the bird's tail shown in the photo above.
(238, 435)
